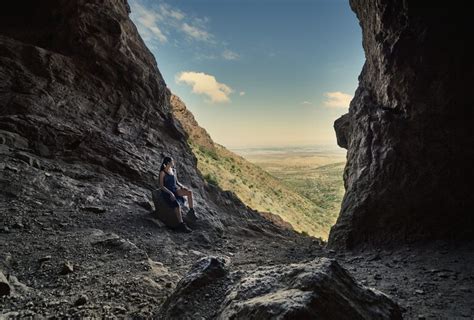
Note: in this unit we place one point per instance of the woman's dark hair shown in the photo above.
(166, 160)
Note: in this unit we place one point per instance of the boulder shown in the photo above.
(193, 290)
(318, 289)
(163, 211)
(203, 272)
(166, 214)
(4, 285)
(342, 128)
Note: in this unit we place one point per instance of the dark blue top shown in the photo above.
(169, 181)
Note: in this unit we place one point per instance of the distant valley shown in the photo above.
(313, 171)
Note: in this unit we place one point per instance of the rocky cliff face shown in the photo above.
(196, 133)
(85, 88)
(408, 131)
(79, 88)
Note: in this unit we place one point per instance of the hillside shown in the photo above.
(253, 185)
(314, 175)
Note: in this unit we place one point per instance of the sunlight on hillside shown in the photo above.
(283, 193)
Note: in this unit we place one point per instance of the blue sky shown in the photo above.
(257, 73)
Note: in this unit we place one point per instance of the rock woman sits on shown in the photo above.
(174, 192)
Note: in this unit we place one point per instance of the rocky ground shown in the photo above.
(93, 257)
(429, 281)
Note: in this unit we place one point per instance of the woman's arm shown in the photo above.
(162, 183)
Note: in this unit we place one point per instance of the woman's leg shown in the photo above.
(186, 193)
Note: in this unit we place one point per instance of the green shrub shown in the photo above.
(209, 153)
(211, 179)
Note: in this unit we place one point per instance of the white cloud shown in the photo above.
(337, 99)
(206, 84)
(159, 34)
(177, 15)
(168, 11)
(195, 32)
(160, 22)
(230, 55)
(242, 93)
(147, 23)
(204, 56)
(306, 103)
(157, 22)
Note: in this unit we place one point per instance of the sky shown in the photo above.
(257, 73)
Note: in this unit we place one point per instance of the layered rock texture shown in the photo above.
(79, 84)
(80, 91)
(409, 128)
(318, 289)
(196, 133)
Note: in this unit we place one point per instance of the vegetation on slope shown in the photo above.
(260, 190)
(314, 179)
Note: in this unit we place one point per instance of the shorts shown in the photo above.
(173, 203)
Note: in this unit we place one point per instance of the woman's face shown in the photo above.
(170, 164)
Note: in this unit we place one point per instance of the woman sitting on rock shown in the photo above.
(173, 192)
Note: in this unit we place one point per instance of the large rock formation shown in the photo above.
(408, 131)
(318, 289)
(79, 88)
(77, 82)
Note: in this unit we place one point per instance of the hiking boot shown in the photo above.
(182, 227)
(192, 214)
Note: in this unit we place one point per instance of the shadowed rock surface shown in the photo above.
(318, 289)
(409, 128)
(4, 285)
(196, 292)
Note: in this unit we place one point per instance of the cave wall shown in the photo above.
(81, 94)
(78, 83)
(408, 131)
